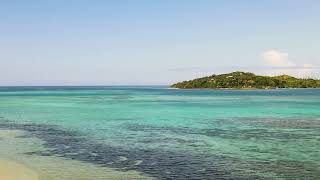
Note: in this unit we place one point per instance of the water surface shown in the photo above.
(156, 132)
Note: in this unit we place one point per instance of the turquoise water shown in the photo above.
(174, 134)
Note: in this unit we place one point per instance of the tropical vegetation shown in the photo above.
(247, 80)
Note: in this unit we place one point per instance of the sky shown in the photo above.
(154, 42)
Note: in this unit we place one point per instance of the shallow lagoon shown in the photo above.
(156, 132)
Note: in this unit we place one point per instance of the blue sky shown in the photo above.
(136, 42)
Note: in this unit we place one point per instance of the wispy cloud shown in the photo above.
(274, 62)
(196, 69)
(281, 64)
(178, 69)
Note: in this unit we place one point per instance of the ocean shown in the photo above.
(154, 132)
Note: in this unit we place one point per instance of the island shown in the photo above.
(247, 80)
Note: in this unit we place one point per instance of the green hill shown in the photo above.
(246, 80)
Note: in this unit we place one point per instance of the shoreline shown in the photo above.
(17, 164)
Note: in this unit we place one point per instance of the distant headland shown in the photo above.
(247, 80)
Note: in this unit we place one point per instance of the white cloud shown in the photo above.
(277, 58)
(280, 63)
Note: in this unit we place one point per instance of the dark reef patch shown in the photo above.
(258, 132)
(159, 164)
